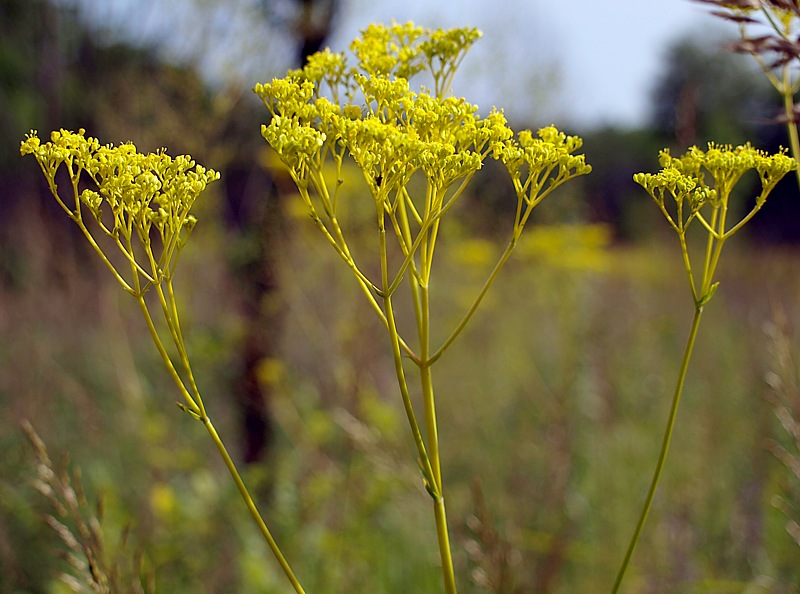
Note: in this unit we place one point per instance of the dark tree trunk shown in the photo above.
(315, 20)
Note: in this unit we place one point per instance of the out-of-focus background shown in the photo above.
(552, 403)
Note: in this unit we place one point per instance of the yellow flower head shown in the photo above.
(390, 131)
(684, 178)
(141, 192)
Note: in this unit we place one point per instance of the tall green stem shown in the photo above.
(196, 409)
(440, 513)
(251, 507)
(662, 457)
(429, 457)
(431, 424)
(444, 546)
(791, 124)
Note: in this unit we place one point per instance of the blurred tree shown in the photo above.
(702, 94)
(612, 197)
(311, 22)
(256, 215)
(705, 93)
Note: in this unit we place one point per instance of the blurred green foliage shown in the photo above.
(551, 407)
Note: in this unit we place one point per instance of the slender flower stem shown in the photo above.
(662, 457)
(394, 336)
(791, 124)
(444, 546)
(476, 302)
(196, 409)
(251, 507)
(440, 513)
(431, 424)
(194, 405)
(431, 468)
(425, 461)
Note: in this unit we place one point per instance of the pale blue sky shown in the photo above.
(598, 58)
(582, 63)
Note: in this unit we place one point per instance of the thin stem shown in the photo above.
(413, 278)
(251, 507)
(688, 265)
(745, 219)
(707, 262)
(426, 381)
(708, 281)
(444, 546)
(435, 216)
(128, 254)
(440, 513)
(477, 301)
(422, 305)
(196, 409)
(791, 124)
(193, 405)
(397, 356)
(662, 457)
(171, 315)
(429, 458)
(106, 261)
(76, 216)
(171, 318)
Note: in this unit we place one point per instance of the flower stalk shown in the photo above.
(683, 196)
(146, 195)
(368, 113)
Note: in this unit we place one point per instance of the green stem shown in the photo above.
(397, 356)
(444, 546)
(662, 457)
(427, 386)
(196, 409)
(171, 315)
(688, 265)
(431, 425)
(195, 406)
(787, 91)
(440, 513)
(425, 461)
(78, 218)
(429, 458)
(707, 262)
(429, 401)
(476, 302)
(251, 507)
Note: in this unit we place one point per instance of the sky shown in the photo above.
(582, 63)
(590, 62)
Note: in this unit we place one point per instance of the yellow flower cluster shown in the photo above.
(142, 191)
(370, 112)
(550, 159)
(726, 164)
(684, 179)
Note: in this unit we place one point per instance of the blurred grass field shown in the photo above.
(552, 406)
